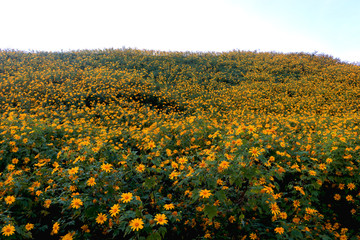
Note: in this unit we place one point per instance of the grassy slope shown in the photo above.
(130, 107)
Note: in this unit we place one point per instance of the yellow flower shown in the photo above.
(205, 193)
(267, 189)
(140, 168)
(349, 198)
(169, 206)
(72, 188)
(200, 209)
(101, 218)
(26, 160)
(300, 189)
(329, 160)
(322, 166)
(279, 230)
(85, 228)
(207, 235)
(76, 203)
(296, 220)
(10, 200)
(182, 160)
(253, 236)
(160, 219)
(255, 152)
(8, 230)
(337, 197)
(168, 152)
(29, 226)
(73, 170)
(343, 237)
(283, 215)
(91, 182)
(10, 167)
(202, 164)
(296, 203)
(174, 174)
(231, 219)
(219, 182)
(136, 224)
(274, 209)
(224, 164)
(68, 236)
(151, 145)
(47, 203)
(319, 182)
(351, 186)
(251, 128)
(310, 211)
(126, 197)
(114, 210)
(106, 167)
(55, 228)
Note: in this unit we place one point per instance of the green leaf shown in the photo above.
(297, 234)
(211, 183)
(150, 182)
(325, 237)
(231, 180)
(130, 214)
(123, 225)
(238, 182)
(162, 231)
(91, 211)
(138, 213)
(44, 212)
(220, 195)
(154, 236)
(127, 231)
(210, 211)
(195, 196)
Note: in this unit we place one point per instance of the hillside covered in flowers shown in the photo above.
(136, 144)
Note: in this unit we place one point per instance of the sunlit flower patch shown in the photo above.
(130, 144)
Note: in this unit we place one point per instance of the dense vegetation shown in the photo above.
(146, 145)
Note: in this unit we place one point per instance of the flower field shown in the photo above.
(135, 144)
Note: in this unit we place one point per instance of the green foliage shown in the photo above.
(154, 145)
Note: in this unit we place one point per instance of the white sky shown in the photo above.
(187, 25)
